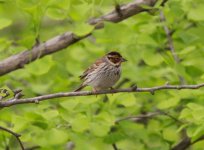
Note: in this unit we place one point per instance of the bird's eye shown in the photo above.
(115, 60)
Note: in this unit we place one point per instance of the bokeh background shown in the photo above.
(89, 122)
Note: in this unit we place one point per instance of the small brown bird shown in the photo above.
(104, 73)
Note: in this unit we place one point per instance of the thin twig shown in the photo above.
(37, 99)
(139, 118)
(115, 146)
(168, 33)
(33, 148)
(16, 135)
(170, 116)
(169, 38)
(144, 117)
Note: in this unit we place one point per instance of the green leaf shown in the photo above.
(187, 50)
(170, 134)
(195, 131)
(196, 14)
(198, 132)
(195, 106)
(106, 118)
(186, 114)
(4, 23)
(81, 15)
(99, 129)
(41, 66)
(28, 40)
(52, 137)
(172, 102)
(150, 60)
(40, 124)
(20, 123)
(114, 137)
(69, 104)
(101, 124)
(83, 29)
(55, 136)
(50, 114)
(193, 113)
(127, 100)
(56, 13)
(80, 123)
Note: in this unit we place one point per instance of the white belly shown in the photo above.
(103, 79)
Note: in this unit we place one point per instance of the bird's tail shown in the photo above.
(80, 88)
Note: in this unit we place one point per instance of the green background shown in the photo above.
(89, 122)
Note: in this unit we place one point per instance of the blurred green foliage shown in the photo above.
(89, 122)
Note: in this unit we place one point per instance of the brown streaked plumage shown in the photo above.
(104, 73)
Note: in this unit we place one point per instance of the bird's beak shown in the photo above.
(123, 60)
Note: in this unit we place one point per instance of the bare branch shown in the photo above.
(144, 117)
(185, 143)
(62, 41)
(37, 99)
(115, 146)
(16, 135)
(33, 148)
(169, 38)
(168, 33)
(139, 118)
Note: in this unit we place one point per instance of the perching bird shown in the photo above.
(104, 73)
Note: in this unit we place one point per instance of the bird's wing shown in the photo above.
(91, 68)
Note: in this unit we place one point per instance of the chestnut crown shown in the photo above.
(115, 57)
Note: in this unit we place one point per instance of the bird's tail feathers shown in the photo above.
(80, 88)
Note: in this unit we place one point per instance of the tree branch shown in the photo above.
(115, 146)
(16, 135)
(144, 117)
(168, 33)
(62, 41)
(16, 101)
(169, 38)
(139, 118)
(186, 143)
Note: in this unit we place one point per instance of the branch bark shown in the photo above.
(16, 101)
(139, 118)
(144, 117)
(186, 143)
(168, 33)
(62, 41)
(170, 43)
(16, 135)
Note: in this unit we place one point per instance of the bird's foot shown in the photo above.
(95, 91)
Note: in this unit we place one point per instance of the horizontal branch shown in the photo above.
(139, 118)
(145, 116)
(62, 41)
(16, 101)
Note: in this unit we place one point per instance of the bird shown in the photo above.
(104, 73)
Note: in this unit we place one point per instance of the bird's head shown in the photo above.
(115, 58)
